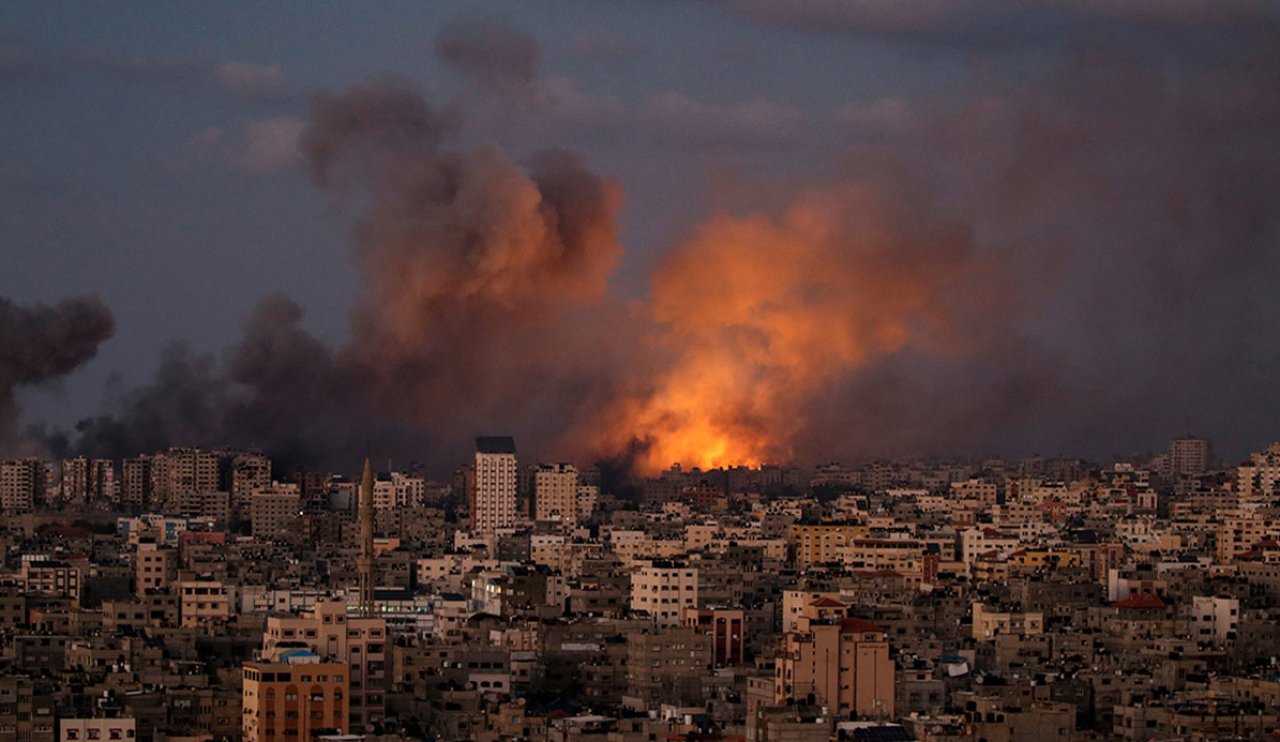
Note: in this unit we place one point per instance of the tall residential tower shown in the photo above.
(493, 493)
(365, 561)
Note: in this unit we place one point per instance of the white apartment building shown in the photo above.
(1214, 618)
(493, 496)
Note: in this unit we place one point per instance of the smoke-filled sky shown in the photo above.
(713, 232)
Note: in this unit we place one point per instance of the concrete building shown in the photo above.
(21, 485)
(408, 491)
(726, 627)
(245, 473)
(295, 696)
(328, 631)
(665, 666)
(182, 469)
(83, 480)
(72, 729)
(555, 494)
(837, 661)
(214, 504)
(1214, 618)
(25, 714)
(274, 510)
(202, 599)
(989, 623)
(155, 567)
(493, 493)
(822, 543)
(1188, 456)
(663, 590)
(52, 577)
(135, 482)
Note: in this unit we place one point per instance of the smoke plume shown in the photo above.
(762, 312)
(490, 53)
(472, 264)
(41, 343)
(1057, 263)
(484, 286)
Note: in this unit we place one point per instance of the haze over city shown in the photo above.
(573, 370)
(714, 233)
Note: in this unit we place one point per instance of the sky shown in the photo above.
(809, 230)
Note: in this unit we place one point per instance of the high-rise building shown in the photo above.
(179, 469)
(84, 480)
(384, 493)
(274, 509)
(837, 661)
(555, 494)
(245, 473)
(1188, 456)
(410, 491)
(21, 485)
(73, 480)
(330, 632)
(214, 504)
(664, 589)
(135, 482)
(311, 490)
(493, 492)
(364, 562)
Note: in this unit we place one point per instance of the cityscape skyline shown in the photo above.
(208, 594)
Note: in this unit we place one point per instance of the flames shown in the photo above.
(760, 314)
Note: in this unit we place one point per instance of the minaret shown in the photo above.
(365, 561)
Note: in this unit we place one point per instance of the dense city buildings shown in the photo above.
(913, 599)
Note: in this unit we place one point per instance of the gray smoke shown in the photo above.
(490, 53)
(484, 285)
(41, 343)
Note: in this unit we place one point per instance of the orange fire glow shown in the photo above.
(761, 314)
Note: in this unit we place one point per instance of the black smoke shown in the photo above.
(41, 343)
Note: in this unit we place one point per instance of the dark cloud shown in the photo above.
(1138, 199)
(41, 343)
(490, 52)
(1003, 23)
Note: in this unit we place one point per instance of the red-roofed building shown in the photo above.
(1142, 601)
(1139, 617)
(836, 660)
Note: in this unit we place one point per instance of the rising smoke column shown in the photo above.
(476, 270)
(41, 343)
(483, 293)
